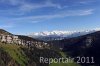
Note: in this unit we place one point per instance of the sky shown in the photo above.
(27, 16)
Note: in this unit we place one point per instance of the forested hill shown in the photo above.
(87, 45)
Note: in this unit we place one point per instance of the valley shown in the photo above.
(28, 54)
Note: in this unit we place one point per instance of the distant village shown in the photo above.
(13, 39)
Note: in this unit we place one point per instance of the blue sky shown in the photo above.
(27, 16)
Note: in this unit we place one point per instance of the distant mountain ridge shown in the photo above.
(46, 35)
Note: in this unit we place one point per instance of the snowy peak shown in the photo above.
(61, 33)
(55, 35)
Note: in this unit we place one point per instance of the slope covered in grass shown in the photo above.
(15, 53)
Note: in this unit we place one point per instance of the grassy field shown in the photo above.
(15, 52)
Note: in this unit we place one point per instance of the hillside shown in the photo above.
(26, 38)
(82, 46)
(14, 55)
(4, 32)
(87, 45)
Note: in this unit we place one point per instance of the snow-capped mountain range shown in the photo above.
(46, 35)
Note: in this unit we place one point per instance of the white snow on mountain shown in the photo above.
(56, 34)
(59, 33)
